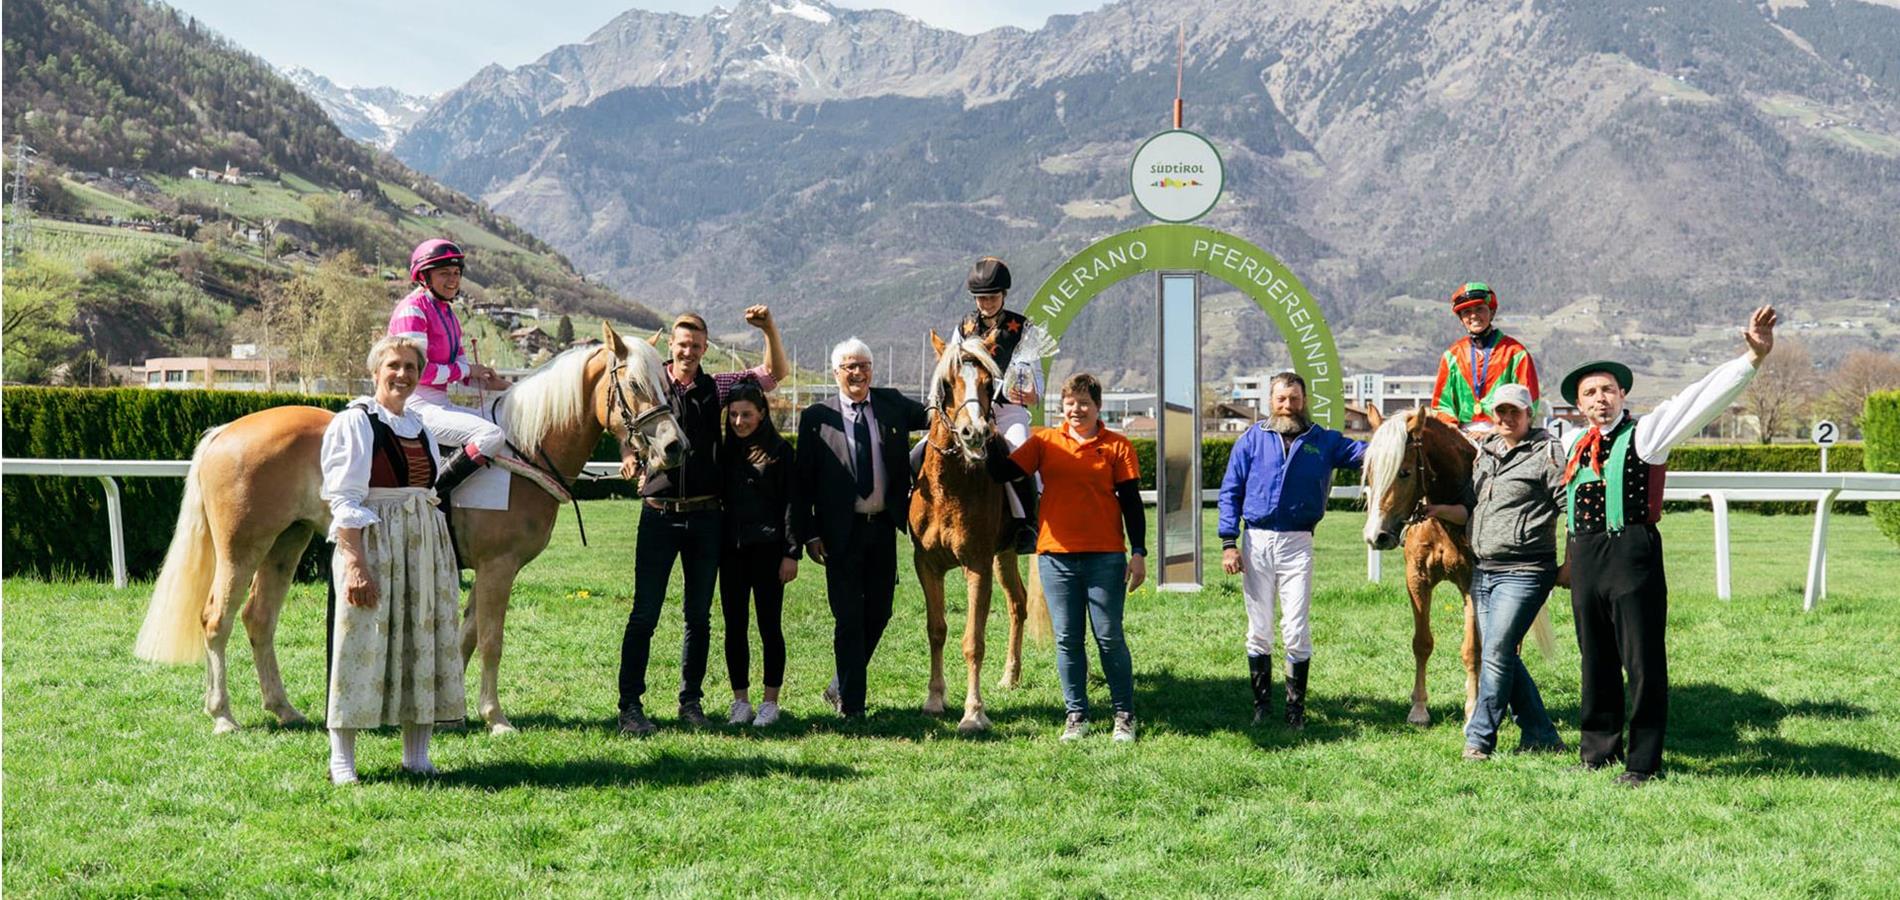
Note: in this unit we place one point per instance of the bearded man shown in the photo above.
(1278, 478)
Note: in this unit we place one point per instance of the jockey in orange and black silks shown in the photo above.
(426, 316)
(1477, 364)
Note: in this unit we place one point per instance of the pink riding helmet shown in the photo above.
(433, 253)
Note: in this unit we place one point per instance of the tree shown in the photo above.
(564, 331)
(1862, 373)
(1783, 391)
(36, 326)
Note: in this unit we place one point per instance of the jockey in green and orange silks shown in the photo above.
(1478, 363)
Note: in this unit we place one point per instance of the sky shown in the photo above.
(366, 43)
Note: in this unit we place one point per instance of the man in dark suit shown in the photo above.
(850, 500)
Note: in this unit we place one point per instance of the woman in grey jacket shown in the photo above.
(1517, 502)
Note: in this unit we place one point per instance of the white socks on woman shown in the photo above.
(415, 752)
(415, 749)
(342, 756)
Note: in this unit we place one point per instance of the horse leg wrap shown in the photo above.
(1260, 675)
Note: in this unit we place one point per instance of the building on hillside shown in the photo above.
(198, 174)
(232, 175)
(531, 340)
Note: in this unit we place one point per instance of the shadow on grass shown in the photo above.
(664, 770)
(886, 722)
(1724, 731)
(1204, 706)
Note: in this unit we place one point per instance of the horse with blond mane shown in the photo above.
(251, 506)
(957, 516)
(1415, 459)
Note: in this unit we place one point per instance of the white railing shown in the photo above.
(1821, 489)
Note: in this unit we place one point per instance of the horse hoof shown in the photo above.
(500, 729)
(934, 706)
(224, 726)
(1009, 682)
(1419, 716)
(973, 723)
(291, 717)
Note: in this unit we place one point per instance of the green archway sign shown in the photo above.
(1191, 248)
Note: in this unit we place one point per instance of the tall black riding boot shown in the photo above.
(456, 471)
(1296, 693)
(1260, 674)
(1031, 501)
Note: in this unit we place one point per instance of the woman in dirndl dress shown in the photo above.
(396, 655)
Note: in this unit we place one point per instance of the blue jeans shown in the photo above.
(1091, 587)
(1507, 603)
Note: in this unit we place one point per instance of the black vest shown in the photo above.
(698, 411)
(1006, 333)
(1642, 485)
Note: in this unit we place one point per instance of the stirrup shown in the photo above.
(541, 478)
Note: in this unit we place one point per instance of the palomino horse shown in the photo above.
(251, 506)
(956, 519)
(1415, 459)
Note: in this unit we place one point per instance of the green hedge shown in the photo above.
(57, 526)
(1880, 424)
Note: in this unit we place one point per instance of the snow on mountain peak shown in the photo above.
(803, 10)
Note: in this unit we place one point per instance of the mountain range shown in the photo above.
(373, 115)
(1623, 172)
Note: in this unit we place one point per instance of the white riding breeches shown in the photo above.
(1013, 421)
(457, 426)
(1278, 565)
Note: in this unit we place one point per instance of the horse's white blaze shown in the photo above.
(971, 405)
(1384, 455)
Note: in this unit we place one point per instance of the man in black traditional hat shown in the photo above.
(1613, 487)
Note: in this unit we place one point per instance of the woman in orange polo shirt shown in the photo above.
(1090, 497)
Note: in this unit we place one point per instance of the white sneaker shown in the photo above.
(1124, 727)
(1076, 727)
(768, 715)
(741, 713)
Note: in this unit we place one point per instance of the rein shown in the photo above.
(937, 410)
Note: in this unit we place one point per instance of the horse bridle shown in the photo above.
(936, 409)
(635, 425)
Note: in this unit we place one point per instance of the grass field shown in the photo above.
(1783, 755)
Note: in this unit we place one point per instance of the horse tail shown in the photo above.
(1041, 630)
(1540, 629)
(174, 629)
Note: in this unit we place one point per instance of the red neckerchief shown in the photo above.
(1592, 443)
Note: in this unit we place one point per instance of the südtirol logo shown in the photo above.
(1176, 176)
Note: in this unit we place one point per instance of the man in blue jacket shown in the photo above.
(1278, 478)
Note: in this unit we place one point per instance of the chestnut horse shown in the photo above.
(251, 506)
(956, 519)
(1414, 459)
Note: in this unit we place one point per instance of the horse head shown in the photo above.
(639, 409)
(1413, 458)
(960, 392)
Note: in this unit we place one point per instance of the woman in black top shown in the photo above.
(758, 558)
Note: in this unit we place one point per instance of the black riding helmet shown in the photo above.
(989, 276)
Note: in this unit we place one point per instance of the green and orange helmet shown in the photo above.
(1473, 293)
